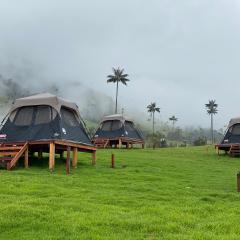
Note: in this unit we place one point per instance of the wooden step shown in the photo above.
(10, 148)
(8, 153)
(11, 152)
(101, 143)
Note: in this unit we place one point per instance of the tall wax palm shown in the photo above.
(117, 77)
(211, 108)
(152, 108)
(173, 119)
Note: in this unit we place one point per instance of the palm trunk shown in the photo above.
(153, 132)
(116, 99)
(153, 124)
(212, 128)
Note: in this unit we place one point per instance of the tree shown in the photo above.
(152, 108)
(117, 77)
(211, 108)
(173, 119)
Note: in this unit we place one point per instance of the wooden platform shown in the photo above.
(117, 142)
(230, 149)
(11, 152)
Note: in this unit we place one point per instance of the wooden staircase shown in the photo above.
(11, 152)
(101, 142)
(234, 150)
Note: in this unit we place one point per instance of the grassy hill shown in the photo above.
(182, 193)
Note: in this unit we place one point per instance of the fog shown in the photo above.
(179, 54)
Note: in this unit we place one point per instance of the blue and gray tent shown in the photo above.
(117, 130)
(44, 117)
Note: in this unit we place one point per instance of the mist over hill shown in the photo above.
(93, 104)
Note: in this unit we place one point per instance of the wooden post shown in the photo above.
(75, 157)
(68, 161)
(51, 156)
(238, 182)
(127, 146)
(94, 158)
(143, 146)
(113, 161)
(26, 158)
(40, 156)
(119, 143)
(207, 149)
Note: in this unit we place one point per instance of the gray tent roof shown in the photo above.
(116, 117)
(44, 99)
(234, 121)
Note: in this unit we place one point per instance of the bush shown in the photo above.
(200, 141)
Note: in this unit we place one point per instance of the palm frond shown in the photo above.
(152, 108)
(211, 107)
(118, 76)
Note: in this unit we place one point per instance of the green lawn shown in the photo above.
(182, 193)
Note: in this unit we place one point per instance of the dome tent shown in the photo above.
(43, 123)
(44, 117)
(117, 130)
(231, 140)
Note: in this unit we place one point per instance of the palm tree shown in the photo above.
(211, 108)
(152, 108)
(173, 119)
(117, 77)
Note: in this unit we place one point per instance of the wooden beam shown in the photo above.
(51, 156)
(75, 157)
(26, 158)
(79, 146)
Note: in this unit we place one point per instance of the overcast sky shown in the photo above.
(177, 53)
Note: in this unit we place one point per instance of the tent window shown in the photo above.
(236, 129)
(69, 117)
(12, 115)
(107, 126)
(116, 125)
(24, 116)
(129, 126)
(111, 125)
(43, 115)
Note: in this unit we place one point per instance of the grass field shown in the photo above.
(182, 193)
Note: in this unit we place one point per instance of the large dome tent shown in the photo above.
(42, 119)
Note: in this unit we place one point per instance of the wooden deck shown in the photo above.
(10, 152)
(232, 149)
(117, 142)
